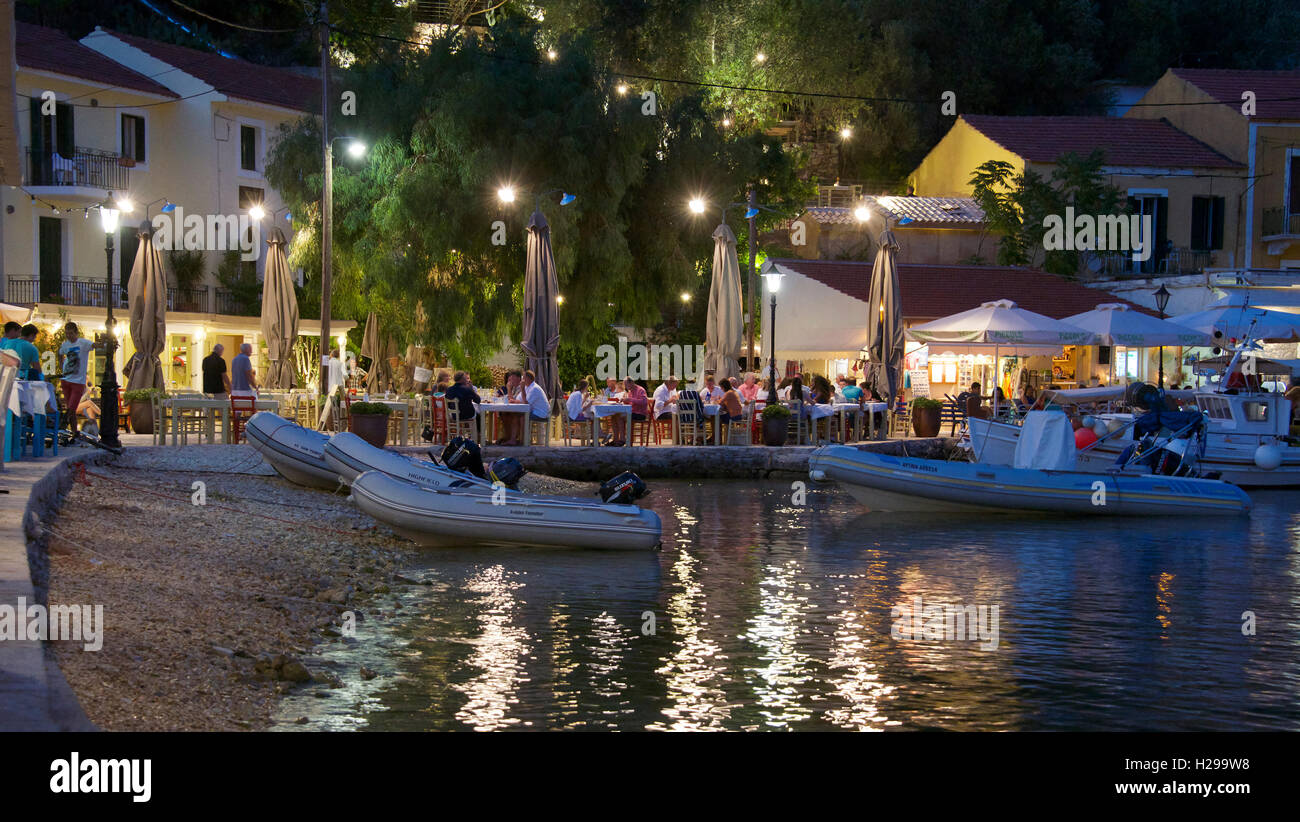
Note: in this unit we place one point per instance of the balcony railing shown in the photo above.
(1120, 264)
(86, 167)
(81, 292)
(188, 299)
(226, 303)
(1276, 222)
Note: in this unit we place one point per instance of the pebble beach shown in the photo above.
(215, 603)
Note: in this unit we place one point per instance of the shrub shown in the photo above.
(775, 411)
(370, 408)
(142, 394)
(925, 402)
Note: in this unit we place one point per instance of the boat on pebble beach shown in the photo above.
(437, 517)
(296, 453)
(349, 457)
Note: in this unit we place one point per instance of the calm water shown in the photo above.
(773, 616)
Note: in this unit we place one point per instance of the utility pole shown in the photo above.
(753, 251)
(326, 202)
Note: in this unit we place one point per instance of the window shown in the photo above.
(133, 137)
(1255, 411)
(1216, 408)
(1293, 190)
(1126, 363)
(1155, 206)
(250, 196)
(249, 147)
(1207, 223)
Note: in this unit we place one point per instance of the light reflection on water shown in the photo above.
(773, 616)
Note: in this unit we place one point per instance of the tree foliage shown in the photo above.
(415, 221)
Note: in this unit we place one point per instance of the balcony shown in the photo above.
(1276, 223)
(188, 299)
(79, 292)
(84, 177)
(1119, 265)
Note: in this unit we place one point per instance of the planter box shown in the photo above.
(141, 416)
(373, 428)
(926, 421)
(776, 430)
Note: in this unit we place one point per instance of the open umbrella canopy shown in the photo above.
(279, 314)
(885, 320)
(14, 313)
(541, 337)
(1001, 322)
(1233, 318)
(1118, 324)
(723, 336)
(147, 296)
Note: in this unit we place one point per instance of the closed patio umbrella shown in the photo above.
(885, 319)
(378, 348)
(279, 314)
(541, 310)
(147, 296)
(723, 336)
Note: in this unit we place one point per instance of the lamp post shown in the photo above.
(773, 285)
(108, 217)
(1162, 301)
(356, 148)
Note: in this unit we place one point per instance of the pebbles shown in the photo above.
(204, 604)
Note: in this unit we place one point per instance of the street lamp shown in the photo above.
(108, 217)
(355, 148)
(1162, 301)
(696, 205)
(773, 279)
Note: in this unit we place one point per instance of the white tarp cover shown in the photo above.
(1046, 441)
(813, 320)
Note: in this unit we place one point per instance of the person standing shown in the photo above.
(75, 353)
(29, 359)
(216, 382)
(243, 379)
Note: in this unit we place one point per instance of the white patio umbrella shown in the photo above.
(1118, 324)
(1233, 318)
(723, 335)
(14, 313)
(1000, 323)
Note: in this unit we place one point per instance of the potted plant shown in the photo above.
(369, 421)
(139, 405)
(776, 424)
(925, 416)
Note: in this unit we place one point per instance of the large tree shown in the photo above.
(416, 221)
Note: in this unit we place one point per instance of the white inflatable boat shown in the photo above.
(471, 516)
(349, 456)
(1042, 478)
(296, 453)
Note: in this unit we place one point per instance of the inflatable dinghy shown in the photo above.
(296, 453)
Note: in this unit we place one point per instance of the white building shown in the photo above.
(119, 117)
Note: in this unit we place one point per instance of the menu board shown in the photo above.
(967, 373)
(919, 382)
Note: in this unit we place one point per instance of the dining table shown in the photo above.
(484, 409)
(402, 409)
(208, 405)
(610, 409)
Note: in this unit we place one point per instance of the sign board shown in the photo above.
(919, 381)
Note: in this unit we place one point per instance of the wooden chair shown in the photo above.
(744, 424)
(455, 427)
(123, 417)
(798, 428)
(438, 419)
(161, 419)
(900, 422)
(539, 431)
(643, 430)
(687, 419)
(242, 409)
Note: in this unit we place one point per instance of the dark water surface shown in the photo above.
(775, 616)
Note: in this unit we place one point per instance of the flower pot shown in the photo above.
(141, 416)
(925, 421)
(775, 430)
(373, 428)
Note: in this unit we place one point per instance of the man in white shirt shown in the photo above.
(665, 399)
(580, 402)
(539, 406)
(712, 393)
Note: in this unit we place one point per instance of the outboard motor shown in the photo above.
(624, 489)
(464, 456)
(507, 471)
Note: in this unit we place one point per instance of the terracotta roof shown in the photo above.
(926, 212)
(1277, 93)
(45, 49)
(233, 77)
(1127, 141)
(929, 292)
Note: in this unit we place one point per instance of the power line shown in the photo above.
(235, 25)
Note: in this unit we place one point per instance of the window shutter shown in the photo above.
(139, 139)
(1200, 221)
(66, 137)
(1216, 225)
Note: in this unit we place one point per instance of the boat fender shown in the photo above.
(1268, 456)
(625, 488)
(817, 474)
